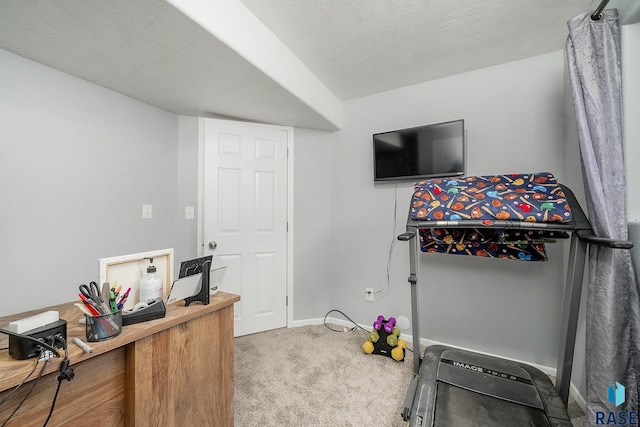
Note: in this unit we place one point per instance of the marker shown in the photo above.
(112, 302)
(83, 345)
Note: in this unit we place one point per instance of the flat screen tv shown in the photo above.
(436, 150)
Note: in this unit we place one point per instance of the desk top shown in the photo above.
(13, 371)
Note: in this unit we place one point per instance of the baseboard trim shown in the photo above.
(580, 400)
(311, 322)
(573, 390)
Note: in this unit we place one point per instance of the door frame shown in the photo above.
(290, 227)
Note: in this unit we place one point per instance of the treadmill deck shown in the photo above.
(472, 389)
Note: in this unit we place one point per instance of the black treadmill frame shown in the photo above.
(581, 236)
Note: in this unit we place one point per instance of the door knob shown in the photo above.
(213, 245)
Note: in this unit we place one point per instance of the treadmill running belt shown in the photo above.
(457, 407)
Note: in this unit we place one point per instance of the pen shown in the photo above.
(123, 299)
(83, 345)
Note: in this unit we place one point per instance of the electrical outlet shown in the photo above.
(368, 294)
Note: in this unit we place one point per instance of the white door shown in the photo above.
(245, 218)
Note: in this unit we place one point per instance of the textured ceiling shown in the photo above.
(288, 62)
(360, 47)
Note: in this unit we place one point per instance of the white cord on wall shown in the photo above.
(387, 286)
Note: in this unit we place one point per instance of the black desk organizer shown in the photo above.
(195, 266)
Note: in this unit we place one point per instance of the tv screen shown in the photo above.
(430, 151)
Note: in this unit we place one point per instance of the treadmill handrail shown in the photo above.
(407, 235)
(591, 238)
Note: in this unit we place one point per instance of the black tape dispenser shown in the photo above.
(143, 312)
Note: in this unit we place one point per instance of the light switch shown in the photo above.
(147, 211)
(189, 212)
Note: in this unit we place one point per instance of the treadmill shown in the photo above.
(452, 387)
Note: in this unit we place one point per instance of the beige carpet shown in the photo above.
(312, 376)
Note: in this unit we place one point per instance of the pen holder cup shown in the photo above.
(100, 328)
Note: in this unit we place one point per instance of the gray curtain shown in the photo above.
(613, 307)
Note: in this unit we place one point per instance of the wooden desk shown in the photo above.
(177, 370)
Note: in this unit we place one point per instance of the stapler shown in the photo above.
(143, 312)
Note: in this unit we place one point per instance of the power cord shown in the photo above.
(8, 396)
(66, 373)
(387, 286)
(356, 326)
(29, 392)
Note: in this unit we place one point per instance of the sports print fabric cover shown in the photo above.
(535, 197)
(523, 245)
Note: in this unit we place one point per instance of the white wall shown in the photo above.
(313, 177)
(187, 229)
(77, 162)
(514, 114)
